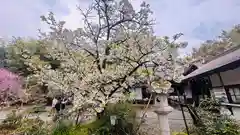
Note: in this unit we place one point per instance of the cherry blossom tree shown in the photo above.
(10, 86)
(103, 59)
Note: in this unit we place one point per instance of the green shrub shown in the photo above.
(79, 131)
(211, 122)
(13, 121)
(16, 123)
(125, 123)
(179, 133)
(63, 127)
(32, 127)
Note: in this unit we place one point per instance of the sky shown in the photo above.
(198, 20)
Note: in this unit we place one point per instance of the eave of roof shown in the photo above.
(215, 64)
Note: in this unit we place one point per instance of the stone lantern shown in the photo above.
(161, 107)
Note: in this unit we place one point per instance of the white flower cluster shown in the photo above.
(101, 61)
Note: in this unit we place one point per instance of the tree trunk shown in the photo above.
(78, 115)
(99, 115)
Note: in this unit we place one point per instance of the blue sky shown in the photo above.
(199, 20)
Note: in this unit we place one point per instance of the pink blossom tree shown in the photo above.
(10, 86)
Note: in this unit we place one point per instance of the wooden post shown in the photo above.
(210, 86)
(184, 118)
(227, 93)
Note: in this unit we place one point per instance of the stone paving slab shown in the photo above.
(176, 121)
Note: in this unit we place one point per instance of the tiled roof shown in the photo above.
(216, 63)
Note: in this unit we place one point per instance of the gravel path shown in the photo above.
(43, 115)
(175, 118)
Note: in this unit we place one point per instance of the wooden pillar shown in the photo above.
(209, 86)
(181, 106)
(227, 91)
(201, 92)
(195, 92)
(221, 81)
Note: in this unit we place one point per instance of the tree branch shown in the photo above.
(121, 81)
